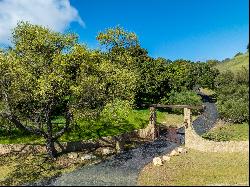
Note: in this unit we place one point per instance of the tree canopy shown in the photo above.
(48, 74)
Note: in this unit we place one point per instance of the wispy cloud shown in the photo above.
(55, 14)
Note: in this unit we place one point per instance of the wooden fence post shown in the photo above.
(187, 117)
(152, 123)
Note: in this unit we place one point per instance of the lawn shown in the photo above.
(199, 168)
(228, 132)
(93, 129)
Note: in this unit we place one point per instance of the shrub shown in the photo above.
(234, 110)
(228, 132)
(233, 96)
(182, 98)
(216, 136)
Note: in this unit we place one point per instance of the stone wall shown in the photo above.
(62, 147)
(194, 141)
(115, 142)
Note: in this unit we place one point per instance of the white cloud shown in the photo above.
(55, 14)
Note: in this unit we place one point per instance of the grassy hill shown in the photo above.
(235, 64)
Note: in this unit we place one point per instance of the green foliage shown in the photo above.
(47, 74)
(224, 78)
(186, 75)
(153, 83)
(233, 96)
(34, 72)
(235, 64)
(114, 113)
(203, 75)
(234, 110)
(178, 75)
(182, 98)
(117, 38)
(212, 63)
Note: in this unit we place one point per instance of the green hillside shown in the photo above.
(235, 63)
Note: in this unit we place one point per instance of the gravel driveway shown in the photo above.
(120, 170)
(208, 119)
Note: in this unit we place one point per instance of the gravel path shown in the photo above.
(208, 119)
(120, 170)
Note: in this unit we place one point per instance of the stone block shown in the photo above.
(157, 161)
(166, 158)
(174, 153)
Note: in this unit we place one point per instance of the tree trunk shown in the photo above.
(50, 146)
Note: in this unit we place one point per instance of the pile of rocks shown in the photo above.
(158, 161)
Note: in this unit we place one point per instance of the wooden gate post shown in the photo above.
(187, 117)
(152, 123)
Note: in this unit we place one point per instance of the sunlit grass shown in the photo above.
(207, 91)
(199, 168)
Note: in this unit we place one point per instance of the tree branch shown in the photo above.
(12, 118)
(68, 117)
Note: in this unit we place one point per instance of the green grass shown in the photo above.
(198, 168)
(88, 129)
(235, 64)
(228, 132)
(136, 119)
(207, 91)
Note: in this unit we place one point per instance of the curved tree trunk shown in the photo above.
(50, 147)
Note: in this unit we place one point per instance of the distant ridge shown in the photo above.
(234, 64)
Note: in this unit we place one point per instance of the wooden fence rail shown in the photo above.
(199, 107)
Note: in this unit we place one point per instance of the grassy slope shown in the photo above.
(198, 168)
(235, 64)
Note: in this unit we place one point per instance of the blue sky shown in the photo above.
(173, 29)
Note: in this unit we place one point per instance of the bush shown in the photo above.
(233, 96)
(234, 110)
(216, 136)
(228, 132)
(182, 98)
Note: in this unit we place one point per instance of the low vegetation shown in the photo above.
(235, 64)
(228, 132)
(232, 91)
(207, 91)
(198, 169)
